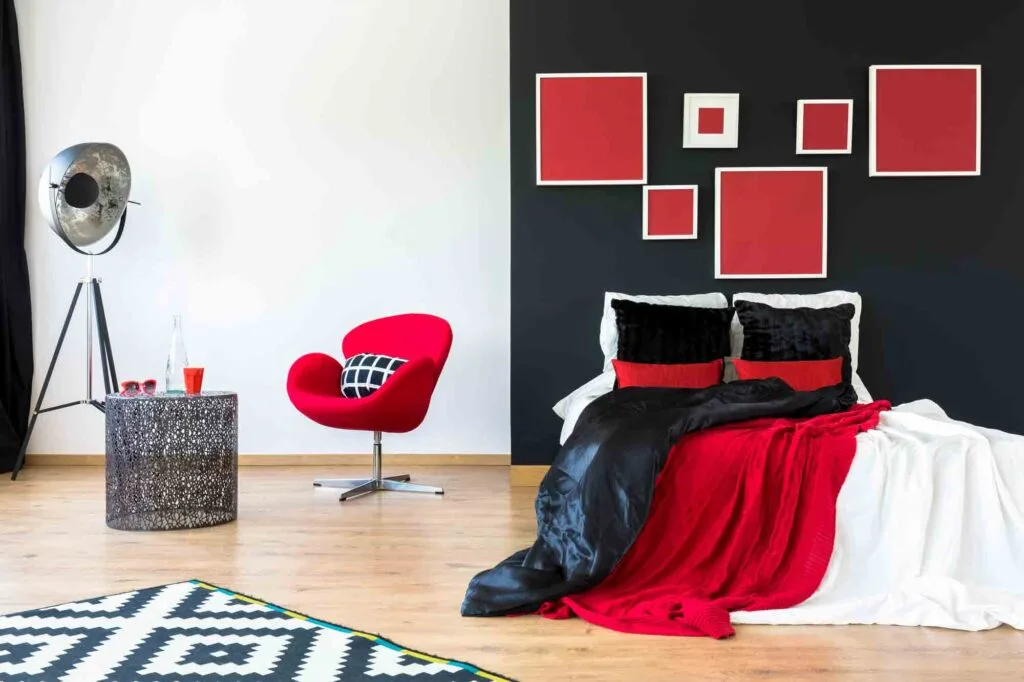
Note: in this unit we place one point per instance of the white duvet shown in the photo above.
(929, 529)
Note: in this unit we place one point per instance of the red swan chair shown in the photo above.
(399, 405)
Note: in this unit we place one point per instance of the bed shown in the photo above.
(925, 526)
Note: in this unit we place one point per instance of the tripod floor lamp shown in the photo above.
(83, 194)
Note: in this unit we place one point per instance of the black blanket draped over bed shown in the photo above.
(595, 498)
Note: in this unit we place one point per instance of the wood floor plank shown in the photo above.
(398, 564)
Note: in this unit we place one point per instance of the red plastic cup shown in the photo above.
(193, 380)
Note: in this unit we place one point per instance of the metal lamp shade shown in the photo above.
(83, 192)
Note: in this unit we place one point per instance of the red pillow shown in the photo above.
(801, 375)
(690, 375)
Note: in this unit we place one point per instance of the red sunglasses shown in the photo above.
(132, 387)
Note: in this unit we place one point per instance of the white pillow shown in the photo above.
(829, 299)
(610, 333)
(571, 406)
(863, 395)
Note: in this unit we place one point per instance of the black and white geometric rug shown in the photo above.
(196, 631)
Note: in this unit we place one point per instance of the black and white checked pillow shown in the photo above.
(365, 373)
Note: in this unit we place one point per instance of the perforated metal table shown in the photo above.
(172, 460)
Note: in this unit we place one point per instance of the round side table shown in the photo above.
(172, 460)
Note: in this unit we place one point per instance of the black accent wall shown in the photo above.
(938, 261)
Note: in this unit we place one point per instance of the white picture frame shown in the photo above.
(642, 180)
(655, 188)
(822, 274)
(728, 138)
(872, 121)
(800, 103)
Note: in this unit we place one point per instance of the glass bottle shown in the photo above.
(177, 360)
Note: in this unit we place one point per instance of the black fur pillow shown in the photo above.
(669, 334)
(796, 333)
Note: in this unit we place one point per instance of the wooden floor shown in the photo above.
(398, 564)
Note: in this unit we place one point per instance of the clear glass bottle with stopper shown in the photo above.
(177, 360)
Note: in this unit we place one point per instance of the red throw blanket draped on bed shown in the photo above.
(743, 518)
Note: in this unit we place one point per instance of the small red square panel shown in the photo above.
(711, 120)
(591, 129)
(825, 126)
(670, 212)
(925, 120)
(770, 222)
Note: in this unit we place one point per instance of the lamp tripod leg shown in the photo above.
(88, 330)
(105, 349)
(18, 463)
(94, 292)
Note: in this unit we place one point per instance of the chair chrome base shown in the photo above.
(357, 487)
(391, 485)
(347, 483)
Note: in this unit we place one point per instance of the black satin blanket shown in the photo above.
(595, 498)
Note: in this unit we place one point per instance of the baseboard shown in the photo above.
(63, 460)
(303, 460)
(527, 475)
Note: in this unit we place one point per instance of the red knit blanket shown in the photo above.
(743, 518)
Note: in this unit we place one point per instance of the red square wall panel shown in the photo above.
(591, 129)
(824, 126)
(770, 222)
(925, 120)
(670, 212)
(711, 120)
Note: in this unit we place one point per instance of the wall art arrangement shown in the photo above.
(711, 120)
(592, 129)
(770, 222)
(824, 126)
(670, 212)
(924, 120)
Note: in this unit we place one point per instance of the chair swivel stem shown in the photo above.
(377, 458)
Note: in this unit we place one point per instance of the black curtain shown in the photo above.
(15, 302)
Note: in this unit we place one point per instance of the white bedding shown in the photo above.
(929, 529)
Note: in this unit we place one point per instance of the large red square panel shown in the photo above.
(770, 222)
(670, 212)
(591, 129)
(925, 120)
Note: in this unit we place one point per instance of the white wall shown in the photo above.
(302, 167)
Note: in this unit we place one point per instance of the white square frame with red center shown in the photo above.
(771, 222)
(711, 120)
(670, 211)
(924, 120)
(591, 128)
(824, 126)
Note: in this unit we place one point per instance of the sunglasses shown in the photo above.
(132, 387)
